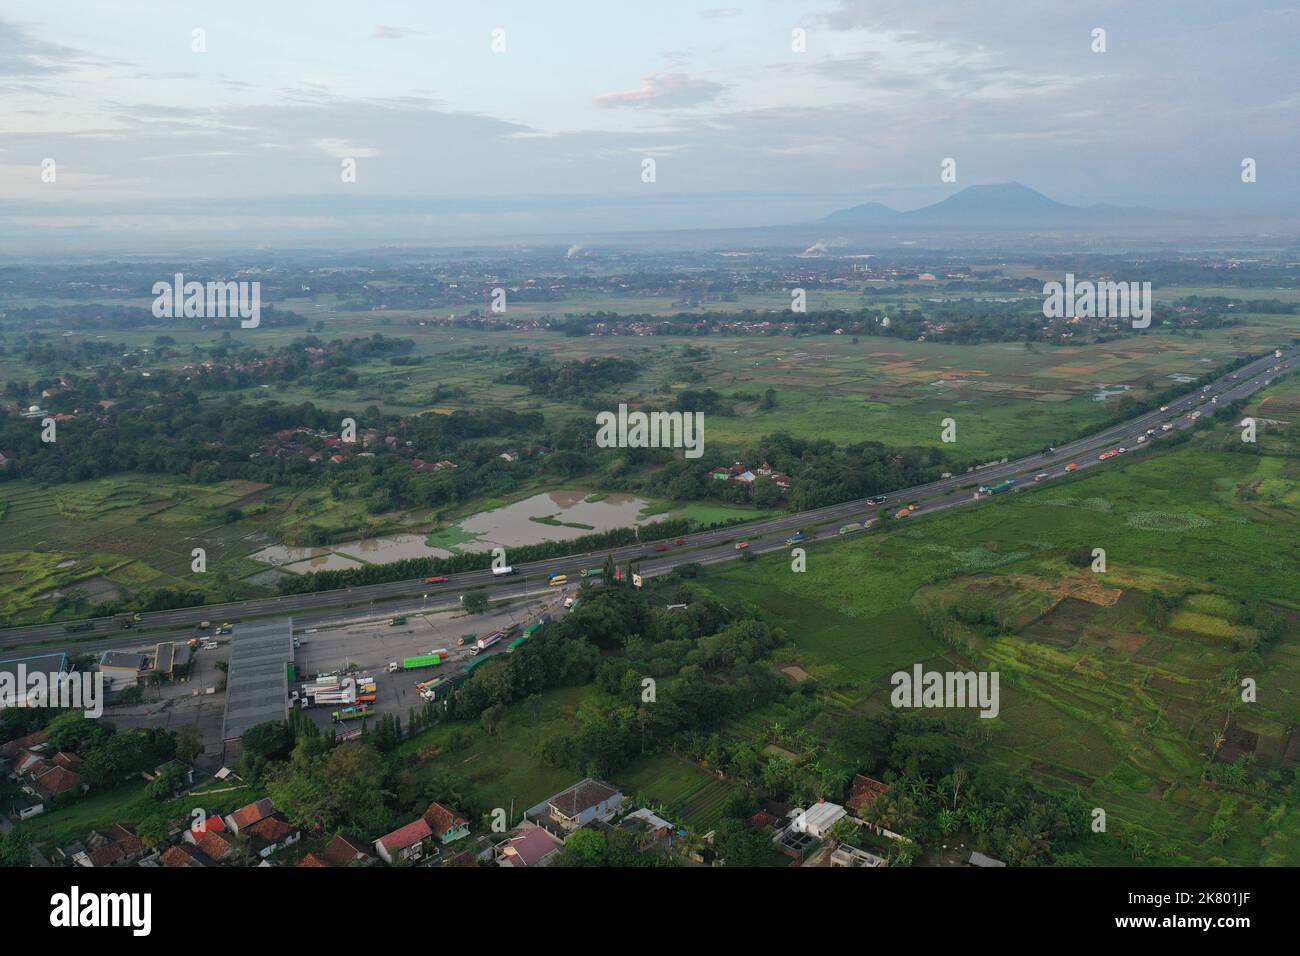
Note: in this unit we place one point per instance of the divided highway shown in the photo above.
(706, 547)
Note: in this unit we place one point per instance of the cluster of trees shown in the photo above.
(572, 381)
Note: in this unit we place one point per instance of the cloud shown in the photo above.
(721, 13)
(22, 55)
(386, 32)
(665, 91)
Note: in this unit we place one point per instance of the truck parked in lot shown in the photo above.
(352, 713)
(414, 663)
(483, 643)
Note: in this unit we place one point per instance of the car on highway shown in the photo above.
(679, 542)
(661, 546)
(436, 579)
(210, 646)
(1164, 408)
(1141, 439)
(877, 499)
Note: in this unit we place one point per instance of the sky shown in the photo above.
(468, 119)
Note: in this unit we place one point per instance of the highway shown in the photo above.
(705, 547)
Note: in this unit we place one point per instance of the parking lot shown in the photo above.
(370, 645)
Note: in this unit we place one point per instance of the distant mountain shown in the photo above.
(1001, 202)
(868, 212)
(988, 206)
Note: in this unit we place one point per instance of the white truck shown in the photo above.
(483, 643)
(502, 572)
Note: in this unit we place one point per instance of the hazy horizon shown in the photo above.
(243, 144)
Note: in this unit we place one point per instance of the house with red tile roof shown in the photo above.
(344, 851)
(215, 845)
(120, 846)
(32, 741)
(181, 856)
(405, 845)
(312, 860)
(864, 792)
(53, 778)
(246, 816)
(272, 833)
(447, 825)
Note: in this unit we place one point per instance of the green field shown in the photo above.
(1094, 696)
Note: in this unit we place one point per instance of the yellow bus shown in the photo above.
(559, 580)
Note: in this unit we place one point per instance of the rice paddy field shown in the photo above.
(1005, 397)
(1096, 695)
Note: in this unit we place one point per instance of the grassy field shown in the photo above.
(1094, 695)
(131, 804)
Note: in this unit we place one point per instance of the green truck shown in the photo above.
(352, 713)
(999, 488)
(593, 572)
(518, 642)
(420, 661)
(476, 663)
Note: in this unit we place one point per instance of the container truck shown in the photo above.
(478, 662)
(999, 488)
(502, 572)
(418, 662)
(517, 643)
(593, 572)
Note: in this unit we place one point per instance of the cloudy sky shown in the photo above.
(453, 138)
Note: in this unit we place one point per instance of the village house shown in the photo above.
(863, 792)
(406, 844)
(247, 816)
(447, 825)
(583, 803)
(344, 851)
(533, 847)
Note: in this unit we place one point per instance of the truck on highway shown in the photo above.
(558, 580)
(394, 621)
(592, 572)
(126, 619)
(1000, 488)
(79, 626)
(851, 526)
(502, 572)
(794, 538)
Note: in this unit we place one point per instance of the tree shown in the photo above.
(586, 848)
(476, 602)
(189, 743)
